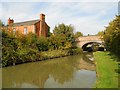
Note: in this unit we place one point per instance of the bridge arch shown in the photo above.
(98, 45)
(85, 40)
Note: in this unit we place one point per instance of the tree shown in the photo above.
(100, 33)
(112, 36)
(65, 31)
(55, 42)
(78, 34)
(42, 44)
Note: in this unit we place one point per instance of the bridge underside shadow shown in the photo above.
(93, 46)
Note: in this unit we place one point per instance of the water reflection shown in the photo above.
(60, 72)
(86, 62)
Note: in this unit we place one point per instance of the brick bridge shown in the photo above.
(85, 40)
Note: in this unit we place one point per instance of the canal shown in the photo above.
(76, 71)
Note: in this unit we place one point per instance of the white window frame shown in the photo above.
(14, 30)
(25, 31)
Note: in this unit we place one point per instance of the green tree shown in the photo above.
(78, 34)
(65, 31)
(56, 42)
(42, 44)
(18, 49)
(112, 36)
(9, 49)
(100, 33)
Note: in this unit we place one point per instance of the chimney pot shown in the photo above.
(42, 17)
(10, 21)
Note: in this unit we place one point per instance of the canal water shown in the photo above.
(76, 71)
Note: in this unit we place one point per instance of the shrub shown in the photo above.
(42, 44)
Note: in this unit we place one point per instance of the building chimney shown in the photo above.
(42, 25)
(42, 17)
(10, 21)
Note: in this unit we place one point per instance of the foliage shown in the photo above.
(63, 29)
(65, 32)
(112, 36)
(15, 51)
(42, 44)
(78, 34)
(59, 53)
(18, 48)
(75, 51)
(56, 42)
(100, 33)
(28, 40)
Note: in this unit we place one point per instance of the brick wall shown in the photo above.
(20, 29)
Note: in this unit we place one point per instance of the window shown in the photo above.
(25, 31)
(14, 30)
(34, 30)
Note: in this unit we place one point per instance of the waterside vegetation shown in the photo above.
(18, 48)
(111, 36)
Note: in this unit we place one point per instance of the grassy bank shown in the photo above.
(106, 67)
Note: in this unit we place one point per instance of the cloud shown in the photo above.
(87, 17)
(0, 10)
(60, 0)
(17, 11)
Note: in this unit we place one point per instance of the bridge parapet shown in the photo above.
(90, 38)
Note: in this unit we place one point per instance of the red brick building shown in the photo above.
(39, 27)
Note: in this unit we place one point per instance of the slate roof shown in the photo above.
(32, 22)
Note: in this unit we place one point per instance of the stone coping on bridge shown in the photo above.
(89, 38)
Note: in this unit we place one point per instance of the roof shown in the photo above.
(32, 22)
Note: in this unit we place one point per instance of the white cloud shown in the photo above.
(85, 17)
(0, 10)
(17, 11)
(87, 24)
(59, 0)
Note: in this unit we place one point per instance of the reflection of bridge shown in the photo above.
(85, 40)
(86, 62)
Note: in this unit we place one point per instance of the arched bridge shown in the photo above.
(85, 40)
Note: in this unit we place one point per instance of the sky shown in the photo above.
(86, 17)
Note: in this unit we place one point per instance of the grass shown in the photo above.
(106, 67)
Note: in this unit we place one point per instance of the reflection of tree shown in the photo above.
(63, 72)
(26, 74)
(37, 73)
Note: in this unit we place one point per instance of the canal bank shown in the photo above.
(34, 56)
(106, 67)
(75, 71)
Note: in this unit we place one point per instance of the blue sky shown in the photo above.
(86, 17)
